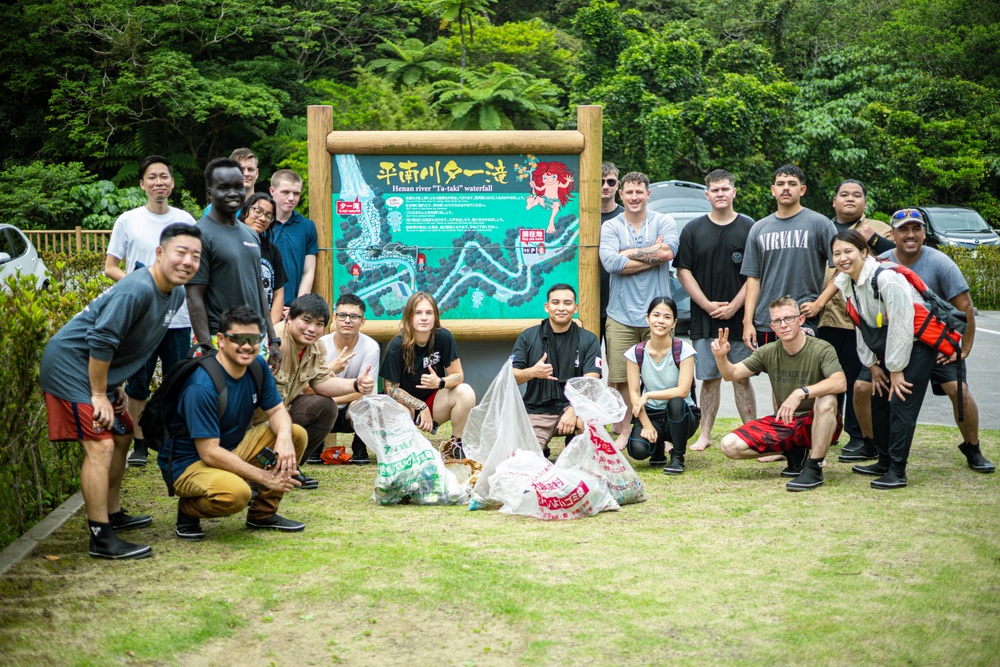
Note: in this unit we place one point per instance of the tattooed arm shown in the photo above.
(422, 412)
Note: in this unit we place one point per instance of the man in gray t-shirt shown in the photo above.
(786, 254)
(229, 275)
(86, 362)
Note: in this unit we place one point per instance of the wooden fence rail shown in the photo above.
(67, 241)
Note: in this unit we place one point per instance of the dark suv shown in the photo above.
(957, 226)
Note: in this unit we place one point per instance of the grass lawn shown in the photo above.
(721, 566)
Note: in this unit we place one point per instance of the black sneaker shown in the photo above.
(314, 461)
(796, 460)
(676, 465)
(138, 456)
(810, 478)
(121, 521)
(975, 457)
(657, 463)
(105, 544)
(858, 449)
(877, 469)
(359, 456)
(306, 482)
(188, 527)
(547, 453)
(894, 479)
(275, 522)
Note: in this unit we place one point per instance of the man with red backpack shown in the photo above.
(942, 276)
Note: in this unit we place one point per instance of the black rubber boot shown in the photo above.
(796, 460)
(139, 454)
(811, 477)
(878, 468)
(894, 479)
(676, 465)
(359, 452)
(121, 521)
(659, 456)
(975, 457)
(858, 449)
(105, 544)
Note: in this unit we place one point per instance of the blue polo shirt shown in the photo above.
(294, 239)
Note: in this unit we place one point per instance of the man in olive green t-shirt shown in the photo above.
(805, 377)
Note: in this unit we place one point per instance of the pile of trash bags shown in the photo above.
(590, 476)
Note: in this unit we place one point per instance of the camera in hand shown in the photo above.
(267, 458)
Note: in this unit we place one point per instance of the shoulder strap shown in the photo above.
(258, 378)
(214, 370)
(640, 352)
(677, 348)
(878, 270)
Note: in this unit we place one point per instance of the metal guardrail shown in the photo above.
(66, 241)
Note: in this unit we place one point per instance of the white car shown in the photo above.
(18, 254)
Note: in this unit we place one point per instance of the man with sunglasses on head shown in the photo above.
(805, 377)
(348, 351)
(609, 209)
(943, 277)
(306, 381)
(213, 461)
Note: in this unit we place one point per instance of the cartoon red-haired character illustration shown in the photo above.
(551, 183)
(355, 271)
(421, 261)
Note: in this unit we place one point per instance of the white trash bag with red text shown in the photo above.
(527, 484)
(496, 428)
(593, 452)
(409, 468)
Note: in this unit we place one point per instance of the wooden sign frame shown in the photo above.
(584, 141)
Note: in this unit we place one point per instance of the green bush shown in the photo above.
(105, 202)
(35, 474)
(38, 195)
(981, 268)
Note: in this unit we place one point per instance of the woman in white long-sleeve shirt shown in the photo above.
(901, 365)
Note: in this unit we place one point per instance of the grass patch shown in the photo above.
(720, 566)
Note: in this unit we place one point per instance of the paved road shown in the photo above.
(983, 372)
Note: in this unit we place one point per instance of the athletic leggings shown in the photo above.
(675, 424)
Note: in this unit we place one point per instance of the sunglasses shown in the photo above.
(241, 339)
(908, 213)
(610, 181)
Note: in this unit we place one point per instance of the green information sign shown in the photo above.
(485, 234)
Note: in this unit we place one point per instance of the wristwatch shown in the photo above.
(441, 383)
(805, 390)
(275, 340)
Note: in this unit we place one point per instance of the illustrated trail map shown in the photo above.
(485, 234)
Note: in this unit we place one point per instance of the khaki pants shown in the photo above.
(207, 492)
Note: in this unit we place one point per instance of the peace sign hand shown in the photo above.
(721, 346)
(340, 362)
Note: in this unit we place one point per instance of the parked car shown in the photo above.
(957, 226)
(18, 254)
(683, 201)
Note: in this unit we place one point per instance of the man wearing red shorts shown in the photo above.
(805, 377)
(87, 361)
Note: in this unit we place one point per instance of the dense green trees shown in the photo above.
(903, 94)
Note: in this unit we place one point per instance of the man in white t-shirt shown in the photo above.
(135, 237)
(349, 352)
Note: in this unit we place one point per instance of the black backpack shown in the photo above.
(675, 349)
(162, 406)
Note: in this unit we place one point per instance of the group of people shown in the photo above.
(274, 385)
(797, 296)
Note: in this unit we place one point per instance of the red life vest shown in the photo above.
(936, 323)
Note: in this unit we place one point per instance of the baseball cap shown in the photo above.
(907, 216)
